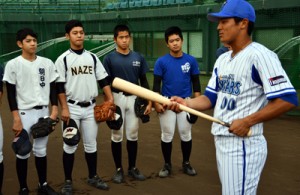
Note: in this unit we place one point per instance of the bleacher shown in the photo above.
(128, 4)
(50, 7)
(86, 6)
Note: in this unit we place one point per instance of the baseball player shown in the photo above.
(224, 48)
(248, 86)
(1, 133)
(30, 82)
(186, 71)
(79, 72)
(131, 66)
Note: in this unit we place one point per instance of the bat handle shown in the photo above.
(228, 125)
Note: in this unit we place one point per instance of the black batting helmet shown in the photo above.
(117, 123)
(21, 144)
(71, 134)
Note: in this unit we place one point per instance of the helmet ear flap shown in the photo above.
(71, 133)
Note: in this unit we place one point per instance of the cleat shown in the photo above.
(46, 190)
(165, 171)
(67, 189)
(24, 191)
(97, 182)
(135, 173)
(188, 169)
(119, 176)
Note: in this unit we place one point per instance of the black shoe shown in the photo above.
(97, 182)
(188, 169)
(136, 174)
(24, 191)
(67, 189)
(165, 171)
(118, 176)
(46, 190)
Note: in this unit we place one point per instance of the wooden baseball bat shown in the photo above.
(137, 90)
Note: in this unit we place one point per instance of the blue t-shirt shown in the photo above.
(128, 67)
(176, 74)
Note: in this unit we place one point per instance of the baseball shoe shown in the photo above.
(188, 169)
(118, 176)
(46, 190)
(24, 191)
(97, 182)
(136, 174)
(67, 189)
(165, 171)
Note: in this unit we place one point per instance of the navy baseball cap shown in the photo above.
(234, 8)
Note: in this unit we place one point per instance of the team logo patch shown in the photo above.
(185, 67)
(136, 63)
(277, 80)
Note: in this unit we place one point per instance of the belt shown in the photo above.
(82, 104)
(39, 107)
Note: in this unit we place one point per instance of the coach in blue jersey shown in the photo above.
(178, 72)
(248, 86)
(131, 66)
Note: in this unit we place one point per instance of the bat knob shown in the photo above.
(226, 124)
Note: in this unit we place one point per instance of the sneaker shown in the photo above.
(24, 191)
(135, 173)
(118, 176)
(67, 189)
(97, 182)
(188, 169)
(46, 189)
(165, 171)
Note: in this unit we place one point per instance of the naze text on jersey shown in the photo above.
(82, 70)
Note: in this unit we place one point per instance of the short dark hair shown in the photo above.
(71, 24)
(119, 28)
(171, 31)
(250, 25)
(24, 32)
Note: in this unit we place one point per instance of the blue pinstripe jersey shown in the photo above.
(243, 85)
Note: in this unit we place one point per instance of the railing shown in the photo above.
(54, 6)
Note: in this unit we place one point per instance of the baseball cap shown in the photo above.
(234, 8)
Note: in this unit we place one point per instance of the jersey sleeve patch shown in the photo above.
(277, 80)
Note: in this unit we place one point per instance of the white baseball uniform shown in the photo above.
(80, 73)
(32, 81)
(240, 86)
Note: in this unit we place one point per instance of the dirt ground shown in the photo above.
(281, 175)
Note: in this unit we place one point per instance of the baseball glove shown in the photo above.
(43, 127)
(140, 105)
(102, 111)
